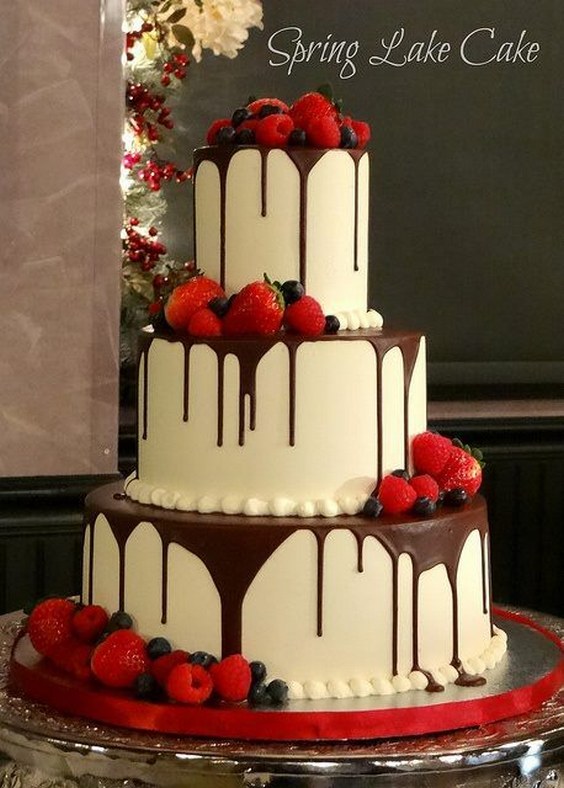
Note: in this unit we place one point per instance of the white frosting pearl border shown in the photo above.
(360, 687)
(357, 318)
(230, 504)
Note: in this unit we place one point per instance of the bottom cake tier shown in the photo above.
(337, 607)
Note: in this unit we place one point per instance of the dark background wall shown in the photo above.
(467, 202)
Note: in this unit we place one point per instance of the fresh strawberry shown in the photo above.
(187, 298)
(305, 316)
(257, 309)
(461, 470)
(205, 323)
(50, 624)
(161, 667)
(89, 622)
(189, 684)
(324, 132)
(309, 107)
(425, 486)
(396, 495)
(362, 131)
(255, 106)
(274, 130)
(74, 658)
(214, 128)
(430, 452)
(120, 658)
(232, 678)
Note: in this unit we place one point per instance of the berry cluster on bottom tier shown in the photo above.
(447, 472)
(88, 644)
(201, 308)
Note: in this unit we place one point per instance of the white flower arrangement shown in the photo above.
(221, 25)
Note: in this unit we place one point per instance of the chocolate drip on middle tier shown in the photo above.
(216, 539)
(250, 350)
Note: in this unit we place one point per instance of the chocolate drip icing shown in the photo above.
(356, 200)
(164, 579)
(250, 350)
(305, 160)
(216, 539)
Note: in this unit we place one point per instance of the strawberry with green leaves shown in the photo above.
(257, 309)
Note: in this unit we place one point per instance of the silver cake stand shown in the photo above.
(41, 749)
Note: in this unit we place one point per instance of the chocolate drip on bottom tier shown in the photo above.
(234, 548)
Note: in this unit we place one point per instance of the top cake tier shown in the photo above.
(295, 213)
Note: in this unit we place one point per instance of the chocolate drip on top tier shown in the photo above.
(304, 160)
(250, 350)
(216, 539)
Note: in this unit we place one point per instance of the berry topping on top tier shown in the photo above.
(313, 120)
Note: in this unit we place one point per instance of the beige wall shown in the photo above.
(60, 213)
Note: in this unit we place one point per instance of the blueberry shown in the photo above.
(292, 291)
(332, 324)
(424, 507)
(402, 473)
(258, 695)
(456, 497)
(348, 137)
(119, 620)
(269, 109)
(158, 647)
(372, 508)
(278, 692)
(240, 115)
(225, 135)
(298, 138)
(245, 137)
(146, 687)
(258, 672)
(219, 306)
(203, 658)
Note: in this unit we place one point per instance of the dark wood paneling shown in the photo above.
(41, 519)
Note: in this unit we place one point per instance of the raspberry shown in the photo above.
(50, 624)
(396, 495)
(425, 486)
(461, 471)
(189, 684)
(362, 131)
(89, 622)
(430, 452)
(74, 658)
(250, 124)
(324, 133)
(309, 107)
(205, 323)
(161, 667)
(255, 106)
(274, 130)
(187, 298)
(305, 316)
(214, 128)
(120, 658)
(232, 678)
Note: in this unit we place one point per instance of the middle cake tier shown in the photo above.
(281, 425)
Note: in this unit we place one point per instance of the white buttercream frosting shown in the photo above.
(232, 504)
(354, 319)
(360, 687)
